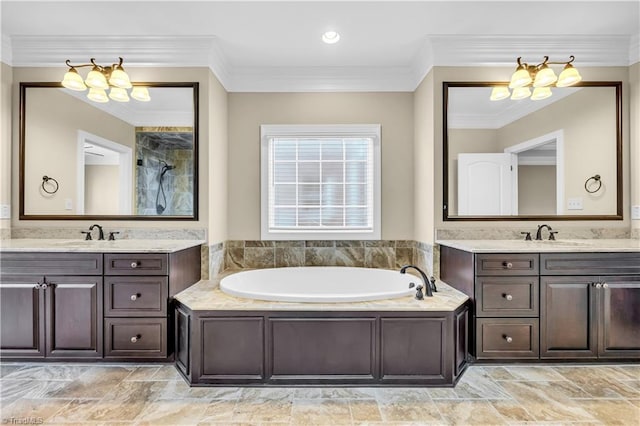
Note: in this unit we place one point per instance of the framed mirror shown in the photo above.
(559, 158)
(135, 160)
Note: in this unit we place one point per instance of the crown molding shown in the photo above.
(322, 79)
(6, 50)
(206, 51)
(475, 50)
(37, 51)
(634, 49)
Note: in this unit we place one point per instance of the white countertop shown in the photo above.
(546, 246)
(96, 246)
(206, 295)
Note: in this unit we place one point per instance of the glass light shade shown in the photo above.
(499, 92)
(520, 93)
(120, 79)
(540, 93)
(140, 94)
(568, 76)
(72, 80)
(545, 77)
(98, 95)
(96, 80)
(119, 94)
(520, 78)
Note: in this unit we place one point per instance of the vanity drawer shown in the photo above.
(51, 263)
(135, 337)
(507, 296)
(507, 264)
(135, 264)
(507, 338)
(136, 296)
(589, 263)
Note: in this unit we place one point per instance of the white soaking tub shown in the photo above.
(319, 284)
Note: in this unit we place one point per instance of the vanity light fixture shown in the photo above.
(540, 76)
(331, 37)
(101, 78)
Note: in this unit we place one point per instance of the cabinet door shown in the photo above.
(568, 326)
(74, 317)
(21, 317)
(619, 309)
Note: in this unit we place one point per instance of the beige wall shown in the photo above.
(206, 119)
(424, 162)
(51, 148)
(6, 77)
(634, 104)
(217, 184)
(501, 74)
(102, 189)
(247, 111)
(536, 190)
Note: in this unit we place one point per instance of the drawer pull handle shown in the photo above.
(508, 297)
(134, 264)
(509, 339)
(605, 285)
(135, 296)
(507, 265)
(598, 285)
(134, 339)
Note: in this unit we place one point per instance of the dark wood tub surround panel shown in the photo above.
(76, 306)
(321, 348)
(571, 306)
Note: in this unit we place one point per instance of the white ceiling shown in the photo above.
(267, 45)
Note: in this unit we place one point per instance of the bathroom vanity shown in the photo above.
(225, 340)
(92, 300)
(565, 300)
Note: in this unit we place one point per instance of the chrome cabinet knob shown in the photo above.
(605, 285)
(509, 339)
(508, 297)
(134, 297)
(598, 285)
(507, 265)
(134, 264)
(134, 339)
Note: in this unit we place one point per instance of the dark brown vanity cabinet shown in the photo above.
(549, 305)
(91, 305)
(590, 305)
(138, 295)
(49, 315)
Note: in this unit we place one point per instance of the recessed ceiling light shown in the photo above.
(330, 37)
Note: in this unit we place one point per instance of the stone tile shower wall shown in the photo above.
(371, 254)
(174, 146)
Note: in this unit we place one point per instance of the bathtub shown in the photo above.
(319, 284)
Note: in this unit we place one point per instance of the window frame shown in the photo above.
(269, 131)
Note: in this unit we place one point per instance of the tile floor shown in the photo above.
(155, 395)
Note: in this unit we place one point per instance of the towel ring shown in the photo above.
(48, 180)
(595, 179)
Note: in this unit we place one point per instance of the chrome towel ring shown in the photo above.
(589, 187)
(52, 183)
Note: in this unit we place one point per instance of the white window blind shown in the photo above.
(320, 182)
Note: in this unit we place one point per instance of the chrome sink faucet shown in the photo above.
(539, 232)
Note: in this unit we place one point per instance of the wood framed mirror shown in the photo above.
(554, 159)
(81, 159)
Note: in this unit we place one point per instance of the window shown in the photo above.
(320, 182)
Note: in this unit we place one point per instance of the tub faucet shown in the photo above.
(101, 232)
(539, 232)
(429, 286)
